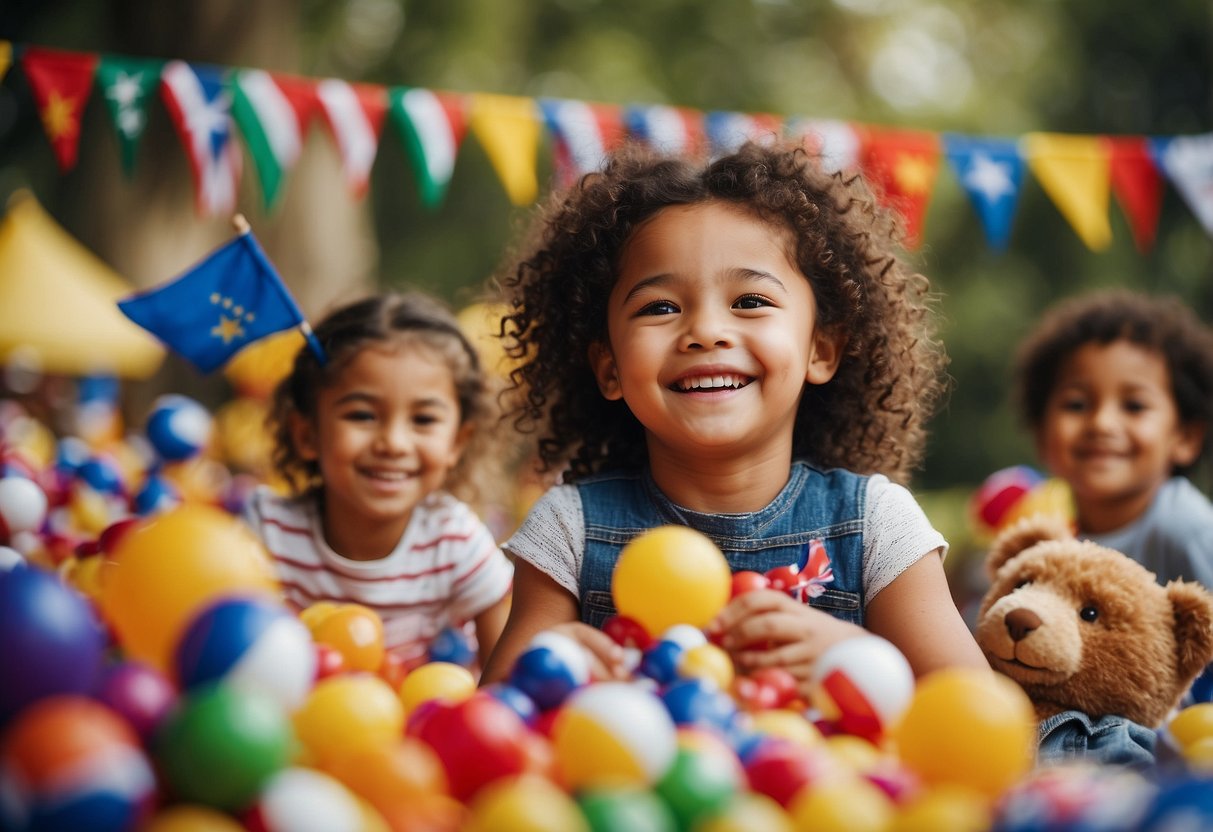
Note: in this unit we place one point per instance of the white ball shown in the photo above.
(22, 504)
(864, 684)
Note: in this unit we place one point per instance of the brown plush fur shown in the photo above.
(1086, 628)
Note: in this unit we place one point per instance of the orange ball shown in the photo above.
(390, 774)
(354, 631)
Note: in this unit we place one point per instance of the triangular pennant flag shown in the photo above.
(6, 57)
(355, 114)
(127, 85)
(583, 134)
(902, 165)
(673, 130)
(273, 114)
(61, 83)
(1137, 186)
(991, 172)
(1076, 174)
(1188, 163)
(432, 126)
(508, 128)
(220, 305)
(199, 105)
(728, 131)
(836, 143)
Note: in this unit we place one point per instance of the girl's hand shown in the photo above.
(767, 628)
(607, 660)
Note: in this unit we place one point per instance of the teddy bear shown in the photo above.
(1102, 650)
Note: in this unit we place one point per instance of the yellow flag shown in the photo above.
(508, 129)
(6, 57)
(1075, 172)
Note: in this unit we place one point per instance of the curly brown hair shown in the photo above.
(398, 318)
(869, 418)
(1163, 324)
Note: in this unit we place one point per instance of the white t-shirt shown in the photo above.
(896, 534)
(446, 569)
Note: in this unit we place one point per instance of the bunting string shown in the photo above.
(272, 112)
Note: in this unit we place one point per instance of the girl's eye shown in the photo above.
(751, 302)
(358, 416)
(1134, 407)
(423, 419)
(1088, 613)
(1073, 405)
(658, 307)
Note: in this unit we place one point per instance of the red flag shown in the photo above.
(1137, 185)
(902, 165)
(61, 83)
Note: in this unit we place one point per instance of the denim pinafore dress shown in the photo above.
(827, 505)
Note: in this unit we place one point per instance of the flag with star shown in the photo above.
(127, 85)
(61, 83)
(219, 306)
(199, 103)
(991, 172)
(902, 165)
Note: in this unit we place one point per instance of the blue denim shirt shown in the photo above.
(1108, 740)
(828, 505)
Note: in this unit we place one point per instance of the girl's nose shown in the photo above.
(704, 330)
(1103, 416)
(395, 438)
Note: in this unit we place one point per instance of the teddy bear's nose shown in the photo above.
(1020, 622)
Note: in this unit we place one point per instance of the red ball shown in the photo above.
(479, 740)
(329, 661)
(748, 581)
(780, 768)
(627, 632)
(782, 578)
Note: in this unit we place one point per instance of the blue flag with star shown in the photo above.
(219, 306)
(991, 171)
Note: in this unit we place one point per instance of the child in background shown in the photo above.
(733, 347)
(371, 442)
(1117, 388)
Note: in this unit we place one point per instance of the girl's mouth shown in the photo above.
(720, 381)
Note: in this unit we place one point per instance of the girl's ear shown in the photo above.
(303, 435)
(825, 354)
(1191, 441)
(462, 437)
(602, 360)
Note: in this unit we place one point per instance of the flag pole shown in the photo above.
(246, 231)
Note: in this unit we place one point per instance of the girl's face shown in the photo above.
(386, 433)
(1112, 431)
(711, 334)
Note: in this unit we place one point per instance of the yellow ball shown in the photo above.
(444, 681)
(749, 812)
(944, 809)
(1193, 723)
(671, 575)
(167, 569)
(1199, 755)
(613, 733)
(186, 818)
(788, 725)
(854, 753)
(843, 804)
(524, 804)
(968, 727)
(347, 714)
(707, 661)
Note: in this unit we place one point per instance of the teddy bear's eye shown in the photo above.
(1088, 613)
(1021, 584)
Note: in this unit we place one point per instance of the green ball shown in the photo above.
(700, 783)
(219, 746)
(626, 810)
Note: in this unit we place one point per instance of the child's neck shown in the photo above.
(720, 485)
(362, 541)
(1102, 517)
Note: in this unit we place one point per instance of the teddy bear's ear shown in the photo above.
(1024, 534)
(1193, 607)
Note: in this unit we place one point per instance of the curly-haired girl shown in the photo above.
(373, 442)
(731, 346)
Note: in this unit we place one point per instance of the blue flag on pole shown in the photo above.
(220, 306)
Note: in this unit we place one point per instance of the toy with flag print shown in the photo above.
(221, 305)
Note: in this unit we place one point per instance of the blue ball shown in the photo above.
(178, 427)
(50, 640)
(102, 475)
(550, 669)
(700, 702)
(156, 495)
(453, 646)
(660, 662)
(517, 701)
(1183, 804)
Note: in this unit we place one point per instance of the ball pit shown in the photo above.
(665, 559)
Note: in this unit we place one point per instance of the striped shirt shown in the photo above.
(446, 569)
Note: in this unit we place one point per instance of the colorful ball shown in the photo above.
(68, 762)
(163, 572)
(453, 646)
(626, 809)
(178, 427)
(23, 506)
(157, 494)
(219, 746)
(356, 632)
(479, 740)
(524, 804)
(944, 809)
(1000, 491)
(1192, 724)
(780, 768)
(862, 685)
(51, 642)
(968, 727)
(103, 475)
(551, 668)
(436, 680)
(842, 804)
(518, 701)
(391, 774)
(185, 818)
(703, 778)
(699, 702)
(140, 694)
(249, 644)
(707, 661)
(750, 812)
(305, 800)
(610, 733)
(671, 575)
(347, 713)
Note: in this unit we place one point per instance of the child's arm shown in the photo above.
(489, 624)
(542, 604)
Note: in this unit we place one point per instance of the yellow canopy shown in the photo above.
(57, 302)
